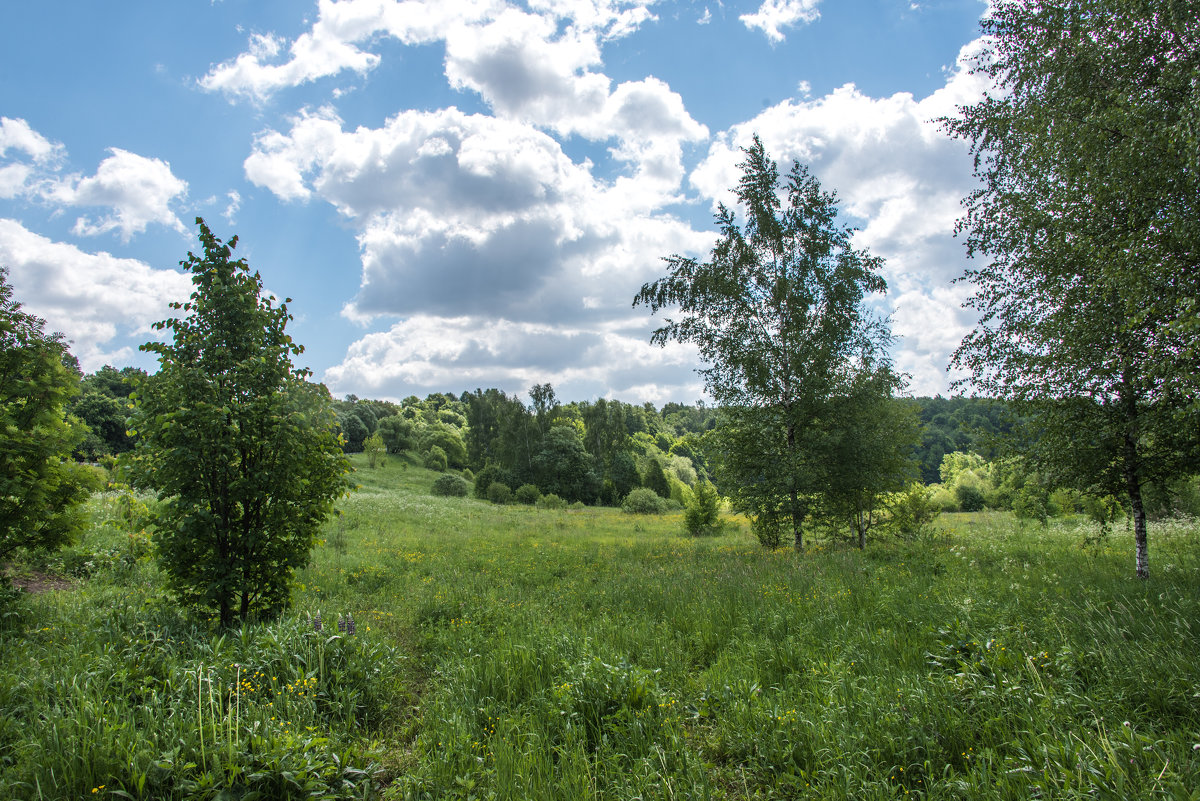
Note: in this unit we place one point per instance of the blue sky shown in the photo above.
(467, 193)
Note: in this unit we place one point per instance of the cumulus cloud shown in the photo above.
(470, 214)
(899, 176)
(139, 190)
(774, 15)
(426, 353)
(93, 298)
(37, 154)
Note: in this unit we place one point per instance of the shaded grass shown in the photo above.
(526, 653)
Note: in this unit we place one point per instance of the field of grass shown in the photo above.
(511, 652)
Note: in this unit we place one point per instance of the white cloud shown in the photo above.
(896, 172)
(17, 135)
(93, 298)
(138, 189)
(773, 15)
(473, 214)
(332, 45)
(235, 203)
(427, 353)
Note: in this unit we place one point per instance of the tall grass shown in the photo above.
(513, 652)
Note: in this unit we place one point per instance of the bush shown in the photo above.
(489, 474)
(527, 494)
(970, 498)
(703, 513)
(551, 501)
(913, 511)
(644, 501)
(450, 485)
(435, 459)
(499, 492)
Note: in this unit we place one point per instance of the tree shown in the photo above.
(777, 314)
(241, 449)
(564, 468)
(376, 450)
(1088, 217)
(40, 489)
(870, 452)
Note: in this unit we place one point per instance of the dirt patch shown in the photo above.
(35, 582)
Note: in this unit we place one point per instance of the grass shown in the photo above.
(510, 652)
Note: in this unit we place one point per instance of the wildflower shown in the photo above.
(316, 621)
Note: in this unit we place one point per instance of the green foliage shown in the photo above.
(354, 432)
(656, 479)
(551, 501)
(499, 493)
(435, 458)
(1085, 225)
(439, 435)
(702, 515)
(485, 477)
(40, 491)
(450, 485)
(913, 511)
(239, 447)
(565, 468)
(527, 494)
(969, 497)
(375, 449)
(778, 315)
(398, 434)
(645, 501)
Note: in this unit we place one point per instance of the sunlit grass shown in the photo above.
(589, 653)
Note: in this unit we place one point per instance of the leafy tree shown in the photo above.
(564, 467)
(375, 449)
(656, 479)
(398, 434)
(435, 458)
(485, 477)
(703, 514)
(499, 493)
(777, 313)
(354, 432)
(1088, 219)
(40, 489)
(869, 453)
(241, 449)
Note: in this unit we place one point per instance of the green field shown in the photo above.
(511, 652)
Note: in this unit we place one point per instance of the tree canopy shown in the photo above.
(777, 314)
(1087, 221)
(40, 488)
(242, 450)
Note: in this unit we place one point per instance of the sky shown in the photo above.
(469, 193)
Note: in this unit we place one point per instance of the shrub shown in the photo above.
(435, 458)
(450, 485)
(644, 501)
(527, 494)
(970, 498)
(702, 514)
(551, 501)
(499, 492)
(913, 511)
(489, 474)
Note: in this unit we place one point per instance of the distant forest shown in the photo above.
(475, 428)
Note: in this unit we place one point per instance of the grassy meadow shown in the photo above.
(513, 652)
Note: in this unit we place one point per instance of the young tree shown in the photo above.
(40, 488)
(870, 452)
(1088, 219)
(777, 313)
(241, 449)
